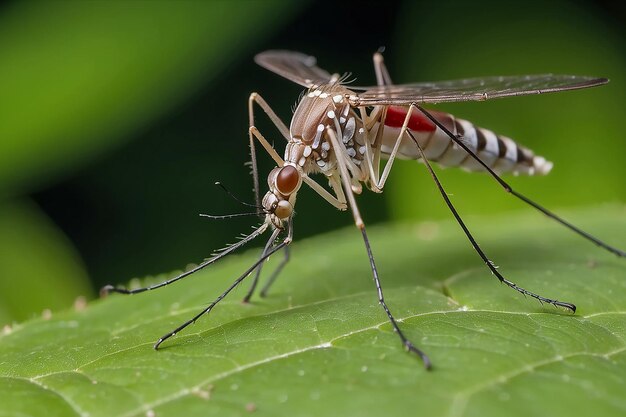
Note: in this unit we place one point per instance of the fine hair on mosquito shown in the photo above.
(341, 134)
(232, 215)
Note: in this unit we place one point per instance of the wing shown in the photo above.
(471, 89)
(294, 66)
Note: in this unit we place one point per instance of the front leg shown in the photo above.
(338, 200)
(256, 98)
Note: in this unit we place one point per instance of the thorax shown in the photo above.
(320, 109)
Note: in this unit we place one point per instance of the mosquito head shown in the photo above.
(278, 202)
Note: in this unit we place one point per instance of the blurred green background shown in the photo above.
(116, 118)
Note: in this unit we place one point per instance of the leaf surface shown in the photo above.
(40, 269)
(321, 345)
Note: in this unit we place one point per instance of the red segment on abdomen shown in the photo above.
(417, 123)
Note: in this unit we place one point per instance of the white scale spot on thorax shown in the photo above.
(325, 146)
(318, 136)
(338, 99)
(330, 114)
(307, 151)
(302, 161)
(351, 152)
(348, 132)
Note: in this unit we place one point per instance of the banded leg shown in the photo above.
(475, 245)
(243, 276)
(521, 197)
(408, 345)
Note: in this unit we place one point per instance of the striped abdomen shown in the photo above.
(499, 153)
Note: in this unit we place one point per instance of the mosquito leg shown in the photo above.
(409, 346)
(373, 161)
(345, 177)
(521, 197)
(255, 281)
(254, 170)
(382, 78)
(243, 276)
(256, 98)
(382, 75)
(392, 156)
(379, 114)
(475, 245)
(372, 149)
(276, 272)
(339, 202)
(254, 133)
(109, 288)
(270, 150)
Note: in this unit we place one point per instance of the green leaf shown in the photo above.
(40, 269)
(321, 345)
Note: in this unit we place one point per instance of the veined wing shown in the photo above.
(294, 66)
(471, 89)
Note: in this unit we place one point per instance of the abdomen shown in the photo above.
(499, 153)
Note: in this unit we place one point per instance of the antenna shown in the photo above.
(231, 195)
(228, 216)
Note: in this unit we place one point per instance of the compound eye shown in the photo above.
(288, 180)
(271, 178)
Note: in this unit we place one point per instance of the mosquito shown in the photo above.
(342, 133)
